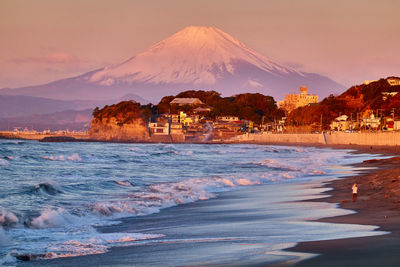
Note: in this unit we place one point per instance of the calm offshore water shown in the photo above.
(55, 197)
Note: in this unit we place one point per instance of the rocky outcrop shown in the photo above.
(120, 122)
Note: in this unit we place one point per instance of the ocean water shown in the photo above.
(74, 199)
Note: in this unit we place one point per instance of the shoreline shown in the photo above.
(376, 149)
(378, 204)
(221, 210)
(382, 140)
(372, 207)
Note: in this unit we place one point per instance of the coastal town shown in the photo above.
(189, 119)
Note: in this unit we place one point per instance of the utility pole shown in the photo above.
(380, 118)
(262, 121)
(357, 124)
(393, 113)
(352, 123)
(320, 124)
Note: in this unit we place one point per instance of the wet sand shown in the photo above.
(378, 203)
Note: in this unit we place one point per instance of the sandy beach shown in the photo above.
(378, 203)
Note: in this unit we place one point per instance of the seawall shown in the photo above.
(362, 139)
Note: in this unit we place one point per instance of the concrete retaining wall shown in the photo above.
(281, 138)
(367, 139)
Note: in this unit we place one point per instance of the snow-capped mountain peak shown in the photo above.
(196, 54)
(195, 58)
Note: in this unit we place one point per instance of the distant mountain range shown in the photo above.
(44, 113)
(194, 58)
(19, 105)
(70, 119)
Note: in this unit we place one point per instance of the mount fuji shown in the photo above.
(194, 58)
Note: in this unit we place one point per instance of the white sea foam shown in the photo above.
(288, 175)
(123, 183)
(228, 182)
(278, 165)
(186, 153)
(52, 218)
(84, 244)
(297, 168)
(247, 182)
(108, 209)
(58, 158)
(73, 157)
(96, 244)
(3, 162)
(7, 218)
(163, 195)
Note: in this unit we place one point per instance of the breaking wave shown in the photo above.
(50, 218)
(123, 183)
(295, 171)
(73, 157)
(273, 164)
(164, 195)
(7, 218)
(164, 153)
(50, 187)
(13, 142)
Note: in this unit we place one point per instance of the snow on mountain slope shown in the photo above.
(198, 55)
(194, 58)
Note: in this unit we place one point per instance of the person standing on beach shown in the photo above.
(355, 189)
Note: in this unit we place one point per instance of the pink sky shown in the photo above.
(349, 41)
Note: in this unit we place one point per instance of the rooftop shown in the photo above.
(186, 101)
